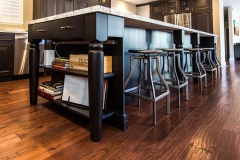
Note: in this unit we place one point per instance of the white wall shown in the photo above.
(123, 6)
(143, 11)
(218, 28)
(236, 16)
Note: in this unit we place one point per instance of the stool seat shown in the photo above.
(140, 51)
(156, 93)
(208, 49)
(172, 49)
(193, 49)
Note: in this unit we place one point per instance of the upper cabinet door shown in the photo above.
(64, 6)
(49, 8)
(157, 10)
(79, 4)
(171, 7)
(184, 6)
(201, 5)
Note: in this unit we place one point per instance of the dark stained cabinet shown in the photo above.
(171, 7)
(49, 7)
(184, 6)
(201, 5)
(80, 4)
(6, 54)
(202, 21)
(157, 10)
(64, 6)
(45, 8)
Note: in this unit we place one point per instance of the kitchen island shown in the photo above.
(103, 31)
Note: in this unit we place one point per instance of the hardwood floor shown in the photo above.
(206, 127)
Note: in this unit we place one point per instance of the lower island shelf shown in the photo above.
(84, 112)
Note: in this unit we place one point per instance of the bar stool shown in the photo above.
(200, 71)
(216, 61)
(208, 63)
(155, 94)
(174, 82)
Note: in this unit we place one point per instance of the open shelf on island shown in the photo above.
(72, 71)
(84, 112)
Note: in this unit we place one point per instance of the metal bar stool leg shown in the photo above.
(139, 80)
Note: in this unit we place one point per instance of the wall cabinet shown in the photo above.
(198, 5)
(201, 12)
(171, 7)
(157, 10)
(45, 8)
(6, 54)
(202, 21)
(184, 6)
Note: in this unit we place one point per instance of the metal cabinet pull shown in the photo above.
(67, 27)
(41, 30)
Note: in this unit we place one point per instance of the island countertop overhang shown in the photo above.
(130, 20)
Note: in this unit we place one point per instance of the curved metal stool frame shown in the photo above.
(144, 55)
(201, 70)
(211, 67)
(178, 84)
(217, 61)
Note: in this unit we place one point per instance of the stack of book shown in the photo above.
(51, 90)
(61, 62)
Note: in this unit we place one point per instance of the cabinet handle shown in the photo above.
(67, 27)
(41, 30)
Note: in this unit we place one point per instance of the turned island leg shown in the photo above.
(33, 72)
(95, 89)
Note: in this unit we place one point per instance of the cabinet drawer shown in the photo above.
(72, 27)
(41, 31)
(7, 37)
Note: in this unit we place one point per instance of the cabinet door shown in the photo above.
(201, 4)
(157, 10)
(64, 6)
(79, 4)
(6, 59)
(203, 21)
(49, 8)
(171, 7)
(184, 6)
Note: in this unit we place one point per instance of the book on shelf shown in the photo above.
(76, 90)
(80, 62)
(51, 92)
(53, 84)
(59, 66)
(48, 96)
(66, 59)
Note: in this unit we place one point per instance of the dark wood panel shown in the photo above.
(157, 10)
(49, 7)
(203, 21)
(6, 57)
(68, 27)
(201, 4)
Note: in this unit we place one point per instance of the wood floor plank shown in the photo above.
(228, 147)
(204, 141)
(172, 146)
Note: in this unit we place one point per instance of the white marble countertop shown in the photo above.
(12, 30)
(117, 13)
